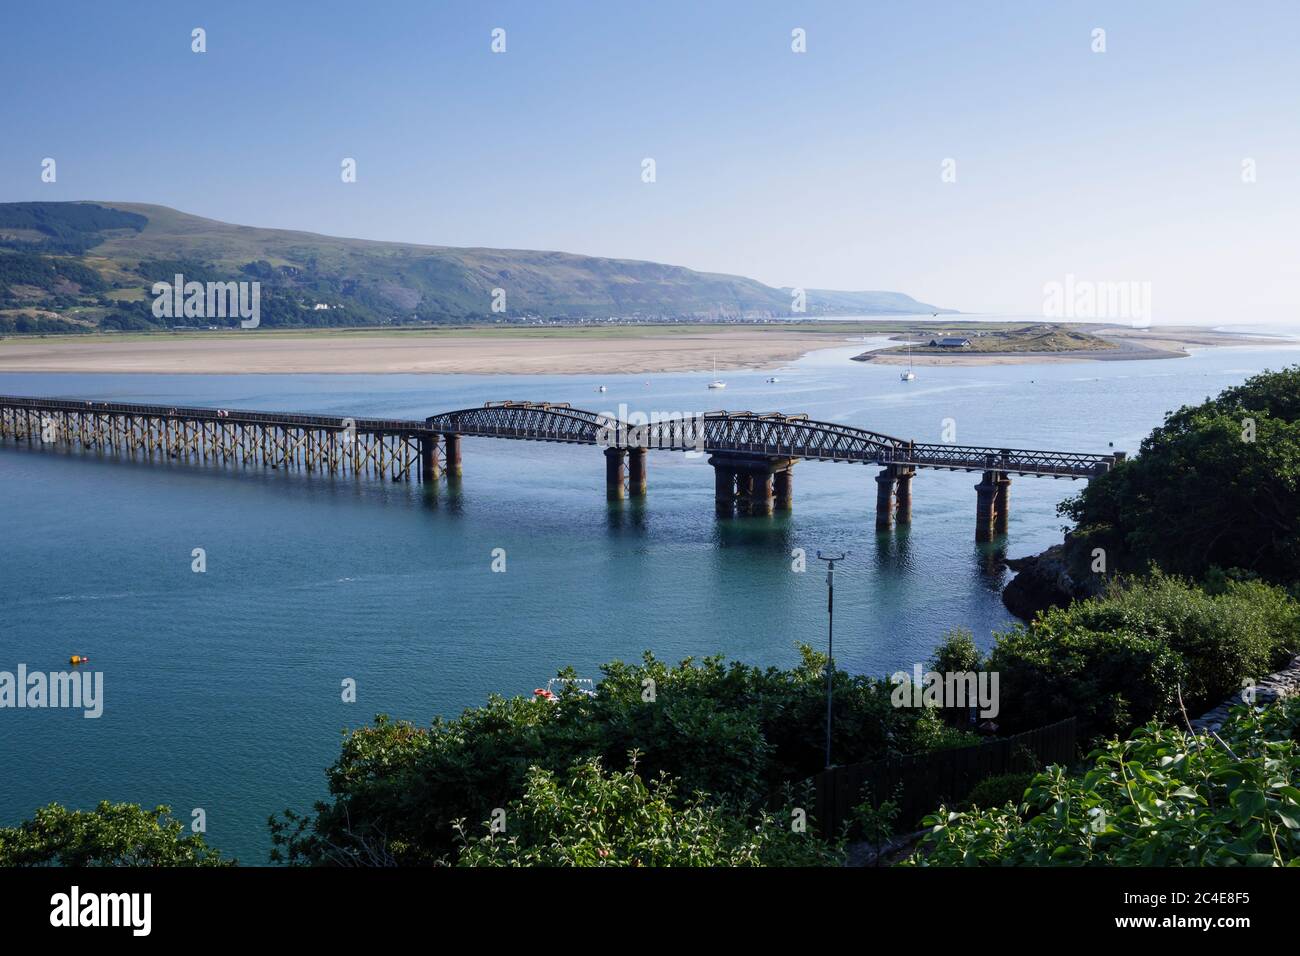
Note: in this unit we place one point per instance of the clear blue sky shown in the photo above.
(819, 169)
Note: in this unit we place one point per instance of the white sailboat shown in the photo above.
(717, 382)
(909, 375)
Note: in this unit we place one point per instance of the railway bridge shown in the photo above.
(753, 454)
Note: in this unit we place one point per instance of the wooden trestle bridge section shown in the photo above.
(753, 455)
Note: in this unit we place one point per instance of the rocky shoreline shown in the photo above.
(1047, 580)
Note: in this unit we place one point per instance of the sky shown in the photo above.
(816, 169)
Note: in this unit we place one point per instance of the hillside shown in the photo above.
(71, 266)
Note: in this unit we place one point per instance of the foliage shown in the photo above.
(1121, 659)
(1218, 485)
(956, 653)
(122, 834)
(876, 821)
(734, 732)
(1161, 798)
(1109, 680)
(587, 817)
(1000, 789)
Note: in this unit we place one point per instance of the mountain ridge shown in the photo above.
(94, 262)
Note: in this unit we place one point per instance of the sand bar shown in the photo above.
(496, 352)
(569, 354)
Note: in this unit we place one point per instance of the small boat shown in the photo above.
(773, 380)
(78, 659)
(909, 375)
(601, 388)
(717, 382)
(583, 685)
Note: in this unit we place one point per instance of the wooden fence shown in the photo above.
(937, 777)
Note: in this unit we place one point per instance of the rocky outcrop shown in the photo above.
(1050, 579)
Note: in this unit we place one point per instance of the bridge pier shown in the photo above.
(636, 469)
(759, 485)
(724, 487)
(894, 496)
(451, 454)
(1002, 503)
(430, 469)
(903, 493)
(614, 459)
(757, 498)
(885, 482)
(784, 487)
(991, 505)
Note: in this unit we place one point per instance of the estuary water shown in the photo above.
(222, 690)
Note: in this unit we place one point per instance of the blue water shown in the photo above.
(222, 690)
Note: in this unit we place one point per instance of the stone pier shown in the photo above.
(430, 467)
(451, 455)
(636, 468)
(992, 505)
(784, 488)
(885, 500)
(755, 485)
(1002, 504)
(894, 496)
(614, 473)
(903, 493)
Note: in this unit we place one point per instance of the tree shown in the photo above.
(1218, 485)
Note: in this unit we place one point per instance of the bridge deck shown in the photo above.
(742, 433)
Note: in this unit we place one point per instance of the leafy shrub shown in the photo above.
(587, 817)
(875, 822)
(956, 653)
(999, 790)
(1111, 680)
(1161, 798)
(121, 834)
(734, 732)
(1119, 660)
(1245, 631)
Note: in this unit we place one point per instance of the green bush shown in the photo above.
(1111, 680)
(587, 817)
(999, 790)
(738, 734)
(956, 653)
(121, 834)
(1119, 660)
(1161, 798)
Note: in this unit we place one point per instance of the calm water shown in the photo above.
(222, 690)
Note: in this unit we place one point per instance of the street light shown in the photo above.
(830, 560)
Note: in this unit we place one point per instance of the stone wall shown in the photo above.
(1284, 683)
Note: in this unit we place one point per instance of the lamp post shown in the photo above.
(830, 560)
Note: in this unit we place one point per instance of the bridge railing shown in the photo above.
(1013, 460)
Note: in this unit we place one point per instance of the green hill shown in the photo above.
(82, 264)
